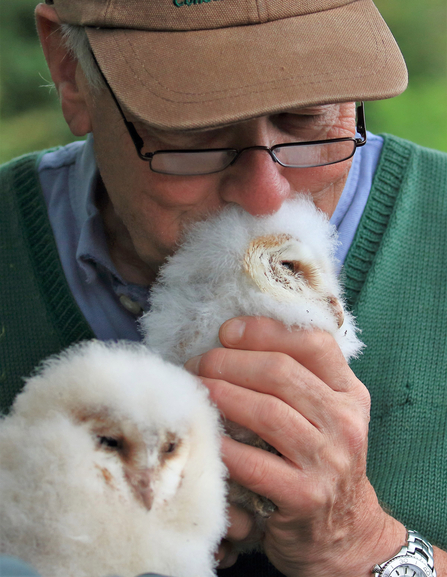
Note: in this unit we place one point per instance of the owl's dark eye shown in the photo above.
(170, 447)
(109, 442)
(288, 264)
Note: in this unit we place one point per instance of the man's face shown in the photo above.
(148, 211)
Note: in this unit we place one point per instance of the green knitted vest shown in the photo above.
(396, 282)
(38, 314)
(395, 278)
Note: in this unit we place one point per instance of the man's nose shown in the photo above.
(256, 183)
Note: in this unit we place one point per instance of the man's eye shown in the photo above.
(300, 120)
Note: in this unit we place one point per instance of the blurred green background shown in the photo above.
(30, 117)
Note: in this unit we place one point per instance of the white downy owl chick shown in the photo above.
(110, 464)
(280, 266)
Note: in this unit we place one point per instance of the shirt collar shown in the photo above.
(92, 247)
(92, 254)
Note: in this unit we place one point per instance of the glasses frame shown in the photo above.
(148, 156)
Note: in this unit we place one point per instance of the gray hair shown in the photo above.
(77, 42)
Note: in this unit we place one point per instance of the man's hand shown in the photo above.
(296, 391)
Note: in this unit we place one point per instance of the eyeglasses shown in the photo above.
(198, 162)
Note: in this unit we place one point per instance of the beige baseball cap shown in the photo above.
(185, 64)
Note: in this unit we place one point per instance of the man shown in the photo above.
(204, 76)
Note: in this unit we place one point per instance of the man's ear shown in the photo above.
(65, 71)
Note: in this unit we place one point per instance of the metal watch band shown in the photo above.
(417, 546)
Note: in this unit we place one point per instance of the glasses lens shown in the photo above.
(309, 155)
(194, 162)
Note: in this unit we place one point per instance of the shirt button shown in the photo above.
(130, 305)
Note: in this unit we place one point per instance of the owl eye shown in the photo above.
(109, 442)
(170, 447)
(288, 264)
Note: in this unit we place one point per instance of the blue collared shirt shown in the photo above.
(111, 305)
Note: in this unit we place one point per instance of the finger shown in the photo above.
(273, 374)
(226, 556)
(293, 489)
(242, 526)
(284, 428)
(242, 529)
(263, 473)
(316, 350)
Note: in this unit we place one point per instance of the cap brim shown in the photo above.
(207, 78)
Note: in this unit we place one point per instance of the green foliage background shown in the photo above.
(30, 116)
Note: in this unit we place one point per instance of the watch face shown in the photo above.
(406, 566)
(408, 571)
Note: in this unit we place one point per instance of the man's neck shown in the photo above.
(121, 248)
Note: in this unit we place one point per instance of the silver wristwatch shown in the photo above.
(414, 560)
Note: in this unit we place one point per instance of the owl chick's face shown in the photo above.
(286, 269)
(150, 461)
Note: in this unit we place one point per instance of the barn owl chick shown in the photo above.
(281, 266)
(110, 464)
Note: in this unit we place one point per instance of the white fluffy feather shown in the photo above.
(72, 503)
(208, 280)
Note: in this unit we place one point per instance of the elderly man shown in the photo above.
(184, 102)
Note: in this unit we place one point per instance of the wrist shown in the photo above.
(380, 543)
(390, 543)
(379, 538)
(415, 558)
(375, 538)
(351, 555)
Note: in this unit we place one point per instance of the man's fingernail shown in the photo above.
(193, 365)
(232, 331)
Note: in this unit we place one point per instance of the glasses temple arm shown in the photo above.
(361, 124)
(136, 138)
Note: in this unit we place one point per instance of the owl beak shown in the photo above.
(140, 481)
(147, 496)
(144, 487)
(337, 310)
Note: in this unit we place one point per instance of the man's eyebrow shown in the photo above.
(158, 132)
(309, 110)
